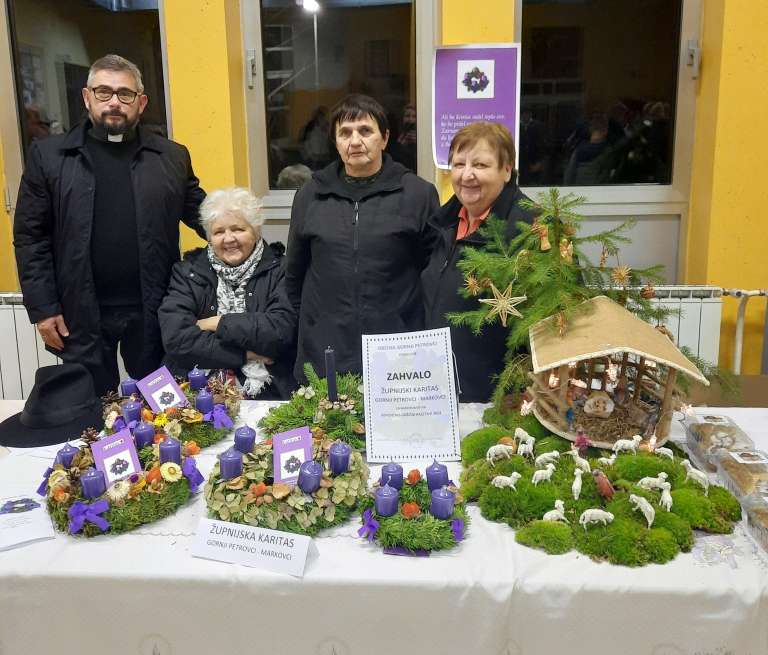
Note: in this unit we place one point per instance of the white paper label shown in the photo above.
(410, 397)
(281, 552)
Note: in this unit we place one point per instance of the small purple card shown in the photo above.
(161, 391)
(116, 456)
(290, 450)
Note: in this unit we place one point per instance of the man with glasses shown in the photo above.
(96, 229)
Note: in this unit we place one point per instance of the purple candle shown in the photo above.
(437, 475)
(245, 438)
(387, 500)
(128, 388)
(310, 474)
(131, 410)
(197, 378)
(66, 455)
(392, 474)
(144, 435)
(204, 401)
(230, 464)
(330, 373)
(93, 483)
(442, 503)
(170, 450)
(338, 458)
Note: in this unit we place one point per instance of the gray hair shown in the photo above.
(294, 177)
(234, 200)
(117, 64)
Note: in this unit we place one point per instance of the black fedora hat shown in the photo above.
(60, 406)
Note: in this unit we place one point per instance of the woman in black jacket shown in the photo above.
(358, 243)
(482, 160)
(226, 306)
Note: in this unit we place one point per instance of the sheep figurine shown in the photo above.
(579, 461)
(595, 516)
(557, 514)
(645, 507)
(697, 476)
(522, 435)
(607, 461)
(525, 449)
(576, 486)
(547, 458)
(666, 496)
(627, 445)
(499, 451)
(506, 481)
(653, 483)
(665, 452)
(543, 475)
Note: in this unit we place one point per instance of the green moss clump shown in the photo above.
(725, 503)
(203, 434)
(677, 527)
(699, 511)
(517, 508)
(424, 532)
(476, 444)
(644, 465)
(553, 538)
(478, 476)
(661, 545)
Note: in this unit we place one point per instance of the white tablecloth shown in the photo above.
(143, 592)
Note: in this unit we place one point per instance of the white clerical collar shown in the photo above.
(115, 138)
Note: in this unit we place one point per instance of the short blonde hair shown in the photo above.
(234, 200)
(497, 136)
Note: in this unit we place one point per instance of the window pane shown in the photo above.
(599, 80)
(51, 63)
(312, 60)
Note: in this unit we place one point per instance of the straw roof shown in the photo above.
(605, 329)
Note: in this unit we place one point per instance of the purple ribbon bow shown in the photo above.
(80, 513)
(189, 469)
(219, 417)
(370, 526)
(120, 424)
(457, 527)
(44, 484)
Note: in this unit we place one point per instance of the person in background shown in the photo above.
(482, 161)
(96, 229)
(358, 242)
(294, 177)
(226, 306)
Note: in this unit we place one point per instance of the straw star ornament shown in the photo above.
(503, 304)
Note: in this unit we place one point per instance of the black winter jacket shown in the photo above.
(53, 224)
(355, 256)
(478, 358)
(268, 327)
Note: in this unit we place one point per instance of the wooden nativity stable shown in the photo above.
(611, 374)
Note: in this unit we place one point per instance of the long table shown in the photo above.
(144, 593)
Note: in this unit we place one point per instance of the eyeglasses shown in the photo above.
(105, 93)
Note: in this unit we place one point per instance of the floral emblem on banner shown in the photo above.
(475, 80)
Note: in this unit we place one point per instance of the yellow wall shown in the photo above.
(728, 231)
(205, 75)
(7, 262)
(462, 22)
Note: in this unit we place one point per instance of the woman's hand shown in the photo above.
(209, 324)
(255, 357)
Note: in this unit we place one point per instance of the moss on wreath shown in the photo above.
(421, 532)
(627, 540)
(343, 420)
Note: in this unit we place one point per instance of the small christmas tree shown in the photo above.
(544, 272)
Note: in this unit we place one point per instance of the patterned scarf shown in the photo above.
(230, 295)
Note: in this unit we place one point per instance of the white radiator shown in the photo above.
(22, 350)
(698, 324)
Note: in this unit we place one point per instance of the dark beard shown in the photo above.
(113, 129)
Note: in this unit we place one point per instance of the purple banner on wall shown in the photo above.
(473, 83)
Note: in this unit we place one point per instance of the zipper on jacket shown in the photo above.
(355, 237)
